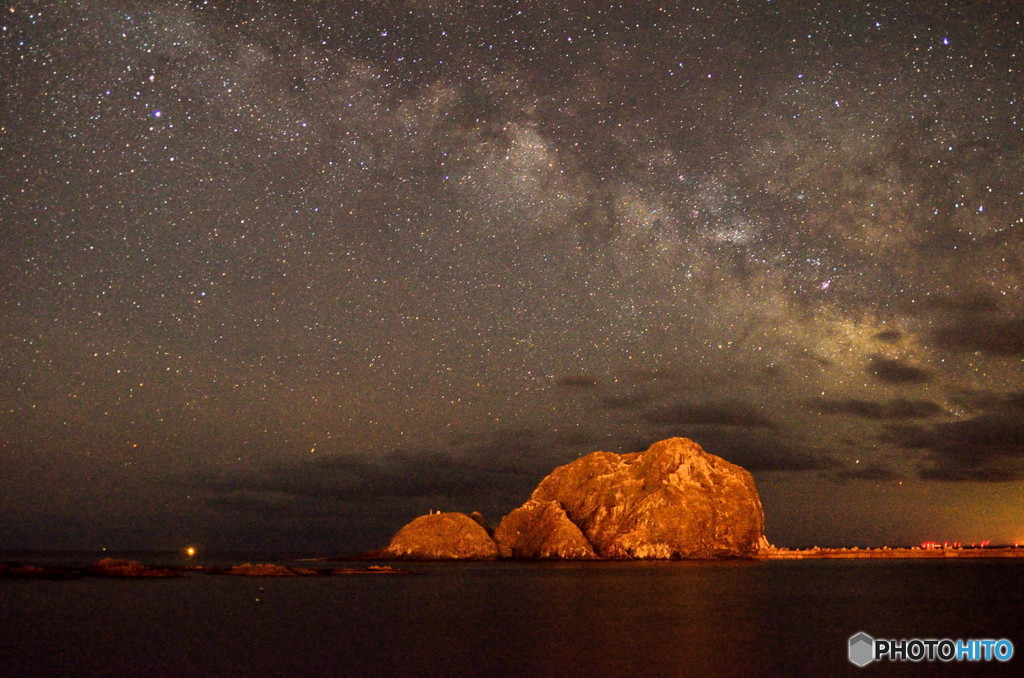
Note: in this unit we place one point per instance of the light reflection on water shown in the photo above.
(585, 619)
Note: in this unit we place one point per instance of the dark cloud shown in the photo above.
(1006, 404)
(726, 413)
(954, 471)
(371, 496)
(288, 507)
(889, 336)
(894, 409)
(499, 463)
(491, 472)
(980, 302)
(996, 337)
(891, 371)
(759, 450)
(398, 474)
(876, 472)
(577, 382)
(988, 448)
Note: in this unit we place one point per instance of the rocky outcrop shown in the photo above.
(541, 529)
(672, 501)
(268, 570)
(442, 536)
(127, 569)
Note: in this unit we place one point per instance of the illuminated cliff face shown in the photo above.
(673, 501)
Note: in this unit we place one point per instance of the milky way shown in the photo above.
(289, 274)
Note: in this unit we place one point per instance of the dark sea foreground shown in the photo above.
(785, 618)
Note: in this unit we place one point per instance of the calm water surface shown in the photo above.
(789, 618)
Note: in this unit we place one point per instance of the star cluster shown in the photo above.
(288, 274)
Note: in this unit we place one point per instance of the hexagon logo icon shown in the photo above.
(862, 649)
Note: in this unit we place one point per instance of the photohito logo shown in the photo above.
(863, 649)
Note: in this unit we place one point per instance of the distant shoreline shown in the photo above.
(125, 569)
(886, 552)
(114, 568)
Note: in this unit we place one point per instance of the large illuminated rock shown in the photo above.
(672, 501)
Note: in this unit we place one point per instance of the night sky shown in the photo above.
(286, 275)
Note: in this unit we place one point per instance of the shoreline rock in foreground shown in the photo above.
(673, 501)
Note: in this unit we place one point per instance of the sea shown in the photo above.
(724, 618)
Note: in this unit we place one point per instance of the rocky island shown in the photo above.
(672, 501)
